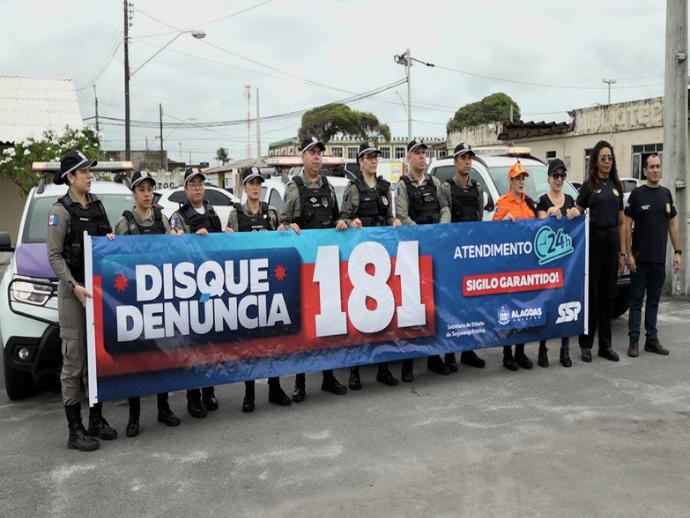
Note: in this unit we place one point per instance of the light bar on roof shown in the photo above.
(502, 150)
(100, 167)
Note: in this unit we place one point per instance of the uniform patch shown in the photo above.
(615, 191)
(53, 220)
(668, 208)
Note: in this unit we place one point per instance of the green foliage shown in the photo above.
(325, 122)
(493, 108)
(15, 162)
(222, 155)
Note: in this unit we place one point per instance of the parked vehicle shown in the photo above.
(29, 329)
(490, 169)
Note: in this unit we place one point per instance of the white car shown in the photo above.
(629, 185)
(29, 331)
(170, 200)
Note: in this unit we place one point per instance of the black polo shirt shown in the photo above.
(650, 209)
(603, 201)
(545, 203)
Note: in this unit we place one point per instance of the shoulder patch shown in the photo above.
(53, 220)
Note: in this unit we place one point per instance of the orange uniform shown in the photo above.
(511, 204)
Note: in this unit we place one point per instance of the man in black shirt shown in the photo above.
(651, 216)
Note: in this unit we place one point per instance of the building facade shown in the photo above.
(347, 147)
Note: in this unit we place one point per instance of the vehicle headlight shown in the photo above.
(30, 293)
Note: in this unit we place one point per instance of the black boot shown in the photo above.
(435, 364)
(385, 376)
(248, 402)
(98, 426)
(451, 362)
(299, 393)
(354, 383)
(276, 395)
(78, 438)
(407, 373)
(208, 398)
(132, 429)
(508, 360)
(543, 358)
(165, 415)
(565, 356)
(470, 358)
(331, 384)
(521, 358)
(194, 406)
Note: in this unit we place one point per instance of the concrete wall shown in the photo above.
(11, 206)
(484, 135)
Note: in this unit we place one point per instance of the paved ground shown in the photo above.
(595, 440)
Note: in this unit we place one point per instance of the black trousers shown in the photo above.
(603, 275)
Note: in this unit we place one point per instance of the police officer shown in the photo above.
(145, 218)
(419, 201)
(310, 203)
(256, 215)
(466, 203)
(72, 215)
(196, 215)
(602, 194)
(367, 203)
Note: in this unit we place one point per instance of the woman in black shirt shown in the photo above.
(557, 204)
(602, 194)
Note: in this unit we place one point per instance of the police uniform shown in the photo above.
(371, 204)
(420, 202)
(243, 219)
(466, 203)
(132, 223)
(605, 201)
(312, 205)
(67, 221)
(189, 219)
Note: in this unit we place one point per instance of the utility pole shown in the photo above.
(675, 164)
(95, 97)
(160, 127)
(248, 95)
(609, 82)
(258, 128)
(405, 59)
(128, 150)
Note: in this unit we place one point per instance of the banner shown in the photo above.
(169, 313)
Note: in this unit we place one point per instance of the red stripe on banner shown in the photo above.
(510, 282)
(305, 340)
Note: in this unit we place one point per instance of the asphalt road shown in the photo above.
(601, 439)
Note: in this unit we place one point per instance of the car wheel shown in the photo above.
(18, 384)
(622, 301)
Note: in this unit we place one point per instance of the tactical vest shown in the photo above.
(92, 219)
(208, 220)
(134, 228)
(465, 202)
(258, 221)
(423, 206)
(373, 203)
(316, 205)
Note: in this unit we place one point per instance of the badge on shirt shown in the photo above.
(615, 192)
(384, 201)
(175, 223)
(668, 208)
(53, 220)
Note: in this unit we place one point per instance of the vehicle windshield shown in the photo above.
(536, 183)
(37, 217)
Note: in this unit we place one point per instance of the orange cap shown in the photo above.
(517, 170)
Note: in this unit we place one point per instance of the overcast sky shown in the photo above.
(346, 46)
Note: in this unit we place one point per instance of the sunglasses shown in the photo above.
(558, 176)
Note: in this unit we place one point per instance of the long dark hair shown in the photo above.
(593, 172)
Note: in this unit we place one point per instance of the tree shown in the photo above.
(324, 122)
(15, 162)
(493, 108)
(222, 155)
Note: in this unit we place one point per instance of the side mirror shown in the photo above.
(5, 242)
(488, 202)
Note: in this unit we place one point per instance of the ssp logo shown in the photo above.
(568, 312)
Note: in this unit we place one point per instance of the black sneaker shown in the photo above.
(609, 354)
(587, 355)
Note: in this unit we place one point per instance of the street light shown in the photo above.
(195, 33)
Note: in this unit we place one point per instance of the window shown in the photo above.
(275, 201)
(337, 151)
(639, 157)
(178, 197)
(352, 152)
(216, 197)
(399, 151)
(550, 155)
(441, 153)
(385, 152)
(588, 152)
